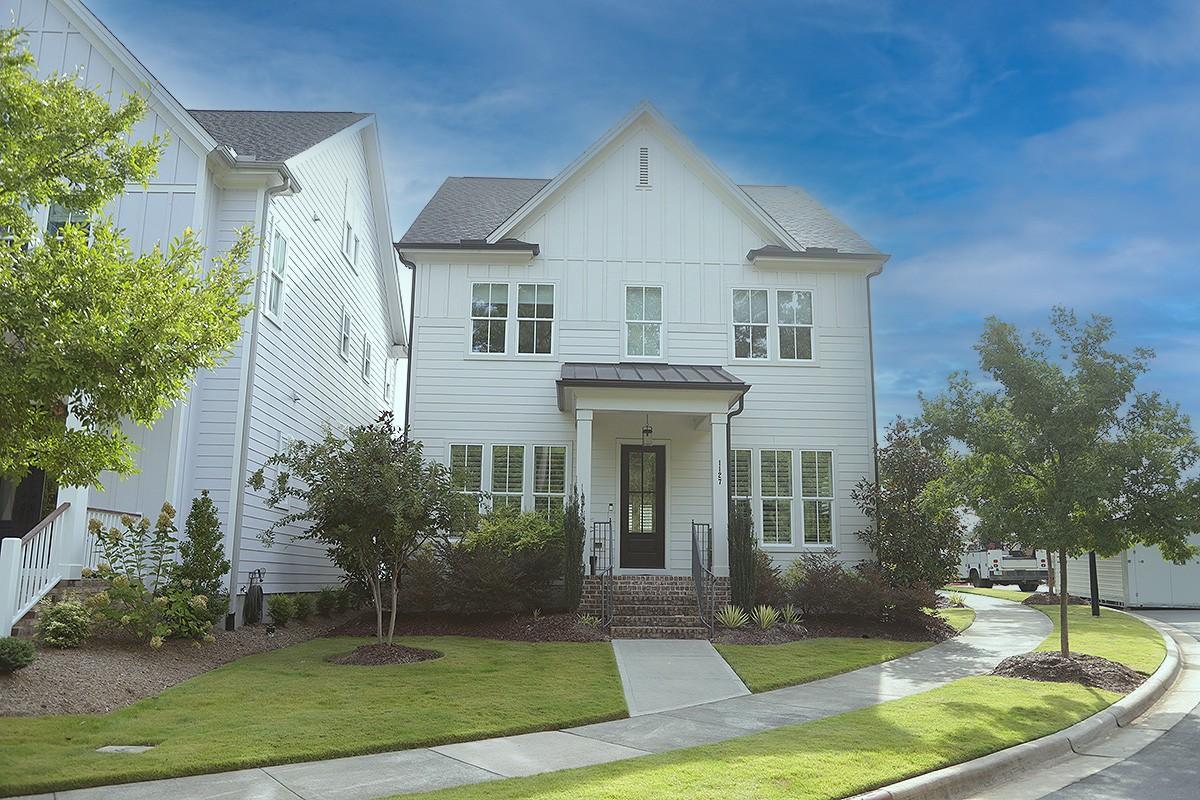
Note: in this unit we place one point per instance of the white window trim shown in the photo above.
(625, 321)
(761, 498)
(509, 342)
(276, 315)
(769, 326)
(348, 235)
(812, 326)
(483, 451)
(356, 248)
(516, 318)
(832, 498)
(345, 333)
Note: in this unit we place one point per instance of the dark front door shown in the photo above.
(643, 506)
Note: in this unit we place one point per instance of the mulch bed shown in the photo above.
(507, 627)
(1077, 668)
(1044, 599)
(108, 673)
(378, 655)
(931, 629)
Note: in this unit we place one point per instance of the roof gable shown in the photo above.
(644, 114)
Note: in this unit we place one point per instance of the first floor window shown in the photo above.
(508, 476)
(739, 479)
(776, 483)
(489, 317)
(60, 216)
(344, 334)
(535, 317)
(466, 475)
(643, 321)
(816, 493)
(549, 480)
(795, 325)
(275, 277)
(750, 323)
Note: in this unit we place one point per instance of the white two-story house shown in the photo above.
(321, 348)
(645, 330)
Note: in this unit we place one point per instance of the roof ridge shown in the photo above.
(497, 178)
(275, 111)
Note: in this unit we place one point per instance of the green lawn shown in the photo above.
(832, 757)
(1112, 635)
(773, 666)
(1001, 594)
(293, 705)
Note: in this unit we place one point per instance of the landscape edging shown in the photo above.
(951, 782)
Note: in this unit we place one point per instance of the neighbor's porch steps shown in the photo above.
(655, 607)
(26, 627)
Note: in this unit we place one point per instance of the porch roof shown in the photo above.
(631, 375)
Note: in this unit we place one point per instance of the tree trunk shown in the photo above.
(377, 597)
(1063, 641)
(1050, 579)
(395, 602)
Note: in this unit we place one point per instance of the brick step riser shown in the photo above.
(629, 632)
(655, 602)
(673, 621)
(654, 610)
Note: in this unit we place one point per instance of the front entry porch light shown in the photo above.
(647, 433)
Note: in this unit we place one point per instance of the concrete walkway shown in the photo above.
(1001, 629)
(668, 674)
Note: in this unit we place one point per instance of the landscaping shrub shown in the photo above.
(511, 531)
(345, 599)
(302, 606)
(821, 587)
(202, 563)
(65, 624)
(742, 560)
(765, 617)
(422, 586)
(730, 616)
(484, 577)
(574, 533)
(183, 615)
(768, 584)
(816, 583)
(281, 607)
(327, 601)
(15, 654)
(789, 615)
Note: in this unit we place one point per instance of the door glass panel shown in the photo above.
(643, 499)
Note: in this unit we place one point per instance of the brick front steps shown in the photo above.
(26, 627)
(652, 606)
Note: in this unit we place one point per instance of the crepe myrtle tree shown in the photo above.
(371, 498)
(916, 531)
(1061, 450)
(89, 330)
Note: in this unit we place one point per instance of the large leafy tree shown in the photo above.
(1060, 450)
(917, 533)
(88, 329)
(372, 499)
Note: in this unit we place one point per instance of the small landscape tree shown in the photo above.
(371, 498)
(917, 533)
(202, 562)
(1062, 452)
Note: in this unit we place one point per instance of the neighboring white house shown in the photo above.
(607, 329)
(321, 346)
(1139, 578)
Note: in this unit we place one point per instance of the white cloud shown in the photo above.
(1158, 39)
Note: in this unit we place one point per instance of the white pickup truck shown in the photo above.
(983, 566)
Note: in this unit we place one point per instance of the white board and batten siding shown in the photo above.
(302, 384)
(1139, 578)
(686, 234)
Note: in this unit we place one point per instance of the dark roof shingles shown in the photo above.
(273, 135)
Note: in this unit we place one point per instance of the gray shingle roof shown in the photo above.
(273, 135)
(471, 208)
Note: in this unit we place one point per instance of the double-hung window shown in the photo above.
(60, 216)
(549, 479)
(776, 482)
(739, 479)
(347, 239)
(816, 493)
(795, 325)
(535, 318)
(508, 474)
(276, 276)
(489, 317)
(750, 323)
(466, 475)
(344, 335)
(366, 358)
(354, 248)
(643, 321)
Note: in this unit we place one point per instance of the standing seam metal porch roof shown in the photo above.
(632, 375)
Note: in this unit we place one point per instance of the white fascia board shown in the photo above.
(384, 242)
(676, 138)
(869, 264)
(649, 399)
(460, 255)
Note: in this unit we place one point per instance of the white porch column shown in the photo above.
(10, 573)
(71, 537)
(583, 461)
(720, 496)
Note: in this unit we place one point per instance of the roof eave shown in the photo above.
(509, 251)
(820, 259)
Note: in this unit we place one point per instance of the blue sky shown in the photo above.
(1010, 156)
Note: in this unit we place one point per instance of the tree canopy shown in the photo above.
(89, 330)
(1061, 451)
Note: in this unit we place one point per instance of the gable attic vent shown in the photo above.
(643, 168)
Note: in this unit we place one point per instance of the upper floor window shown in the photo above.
(276, 276)
(795, 325)
(535, 317)
(347, 239)
(549, 480)
(489, 317)
(60, 217)
(816, 493)
(344, 334)
(508, 476)
(643, 321)
(366, 358)
(750, 323)
(354, 248)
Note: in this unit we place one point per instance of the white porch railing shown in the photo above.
(92, 552)
(29, 568)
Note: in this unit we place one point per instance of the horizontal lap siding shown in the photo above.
(601, 234)
(299, 356)
(1110, 578)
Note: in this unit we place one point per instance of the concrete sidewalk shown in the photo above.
(1001, 629)
(667, 674)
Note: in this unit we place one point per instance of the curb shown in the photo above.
(955, 781)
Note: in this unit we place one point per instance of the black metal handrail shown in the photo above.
(602, 566)
(702, 575)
